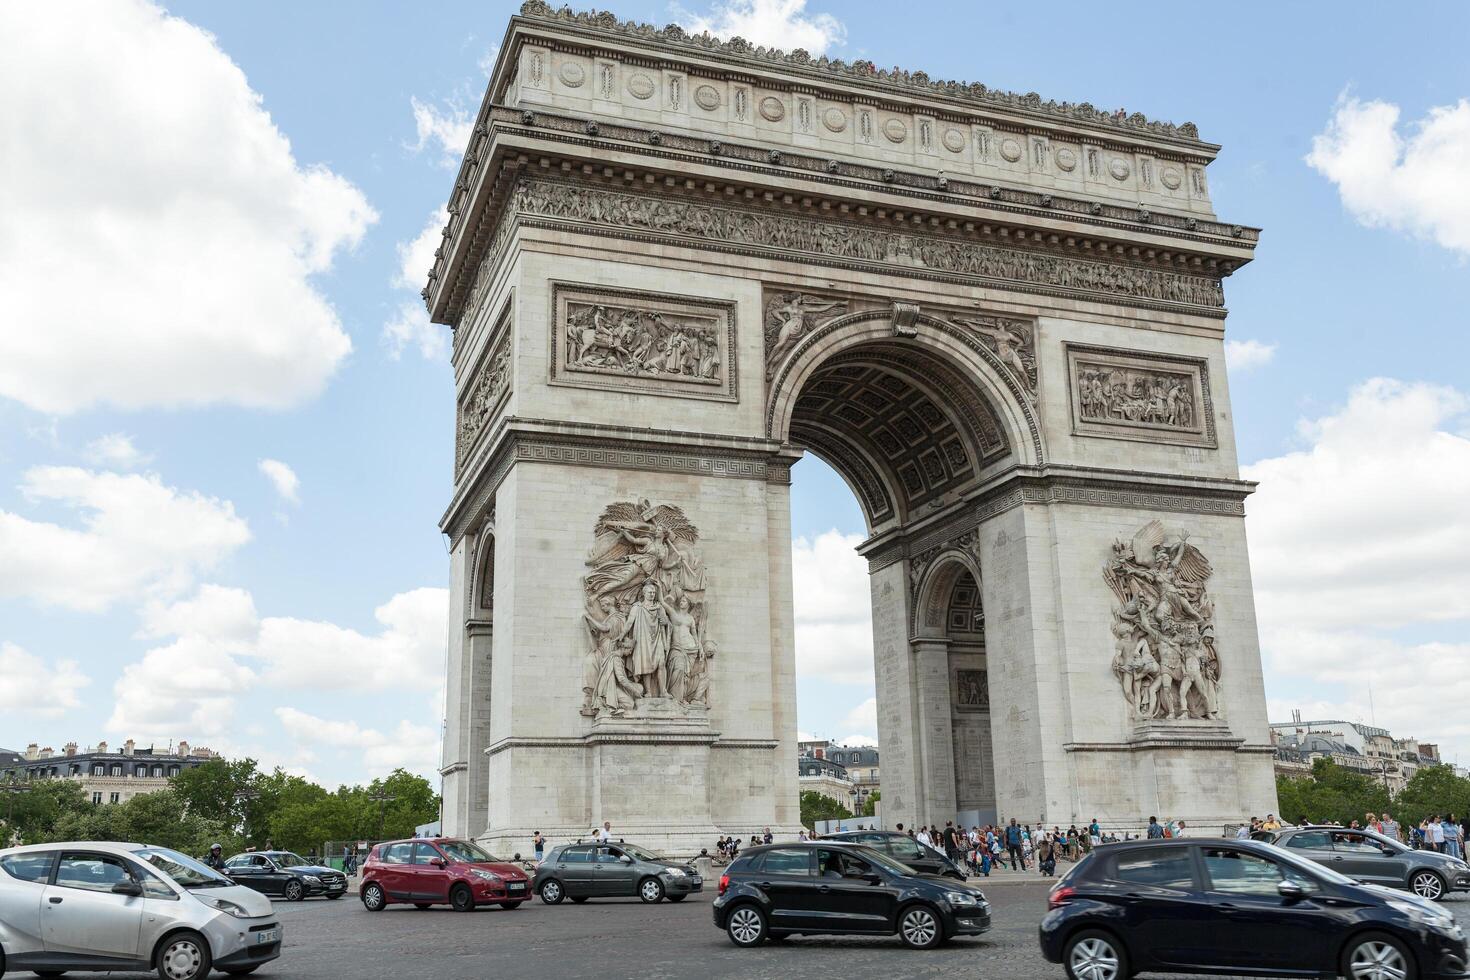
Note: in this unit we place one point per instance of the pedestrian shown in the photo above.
(1179, 830)
(1242, 832)
(924, 837)
(1271, 822)
(1436, 833)
(1046, 857)
(767, 836)
(1453, 841)
(349, 861)
(1155, 832)
(538, 844)
(1013, 845)
(1390, 827)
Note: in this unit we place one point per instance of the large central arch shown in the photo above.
(673, 265)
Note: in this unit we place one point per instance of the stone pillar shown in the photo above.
(479, 636)
(936, 732)
(898, 710)
(783, 647)
(455, 812)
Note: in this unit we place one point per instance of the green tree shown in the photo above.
(818, 806)
(1330, 793)
(226, 791)
(39, 809)
(870, 806)
(1432, 790)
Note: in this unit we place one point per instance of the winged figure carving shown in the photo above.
(791, 316)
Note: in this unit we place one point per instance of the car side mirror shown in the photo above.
(1291, 891)
(439, 863)
(625, 859)
(131, 888)
(871, 877)
(1389, 852)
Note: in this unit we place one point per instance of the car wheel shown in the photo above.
(676, 898)
(461, 899)
(373, 898)
(510, 906)
(422, 905)
(1427, 884)
(651, 890)
(295, 892)
(919, 928)
(552, 893)
(746, 926)
(1378, 957)
(182, 956)
(1094, 955)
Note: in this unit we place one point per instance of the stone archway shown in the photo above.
(672, 266)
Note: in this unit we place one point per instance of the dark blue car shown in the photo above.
(1239, 907)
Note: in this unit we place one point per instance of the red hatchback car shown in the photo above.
(432, 872)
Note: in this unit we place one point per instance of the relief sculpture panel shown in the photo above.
(617, 339)
(486, 392)
(1143, 397)
(1164, 626)
(645, 612)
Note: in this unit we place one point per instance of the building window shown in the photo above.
(114, 798)
(173, 771)
(96, 799)
(158, 771)
(142, 771)
(117, 770)
(98, 770)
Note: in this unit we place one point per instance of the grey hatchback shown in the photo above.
(1370, 857)
(581, 871)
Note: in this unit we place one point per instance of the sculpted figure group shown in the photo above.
(641, 343)
(1119, 395)
(645, 611)
(1163, 626)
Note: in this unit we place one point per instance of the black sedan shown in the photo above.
(905, 850)
(1373, 858)
(825, 887)
(285, 874)
(1241, 907)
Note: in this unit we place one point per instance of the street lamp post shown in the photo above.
(381, 798)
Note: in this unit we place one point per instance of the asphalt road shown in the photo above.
(614, 938)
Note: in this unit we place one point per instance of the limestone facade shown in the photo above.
(672, 266)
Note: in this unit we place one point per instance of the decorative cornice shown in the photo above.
(602, 24)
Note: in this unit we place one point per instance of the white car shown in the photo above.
(94, 905)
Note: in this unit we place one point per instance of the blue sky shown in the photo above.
(168, 326)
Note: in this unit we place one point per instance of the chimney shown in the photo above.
(203, 753)
(101, 747)
(31, 751)
(128, 747)
(184, 749)
(46, 752)
(71, 748)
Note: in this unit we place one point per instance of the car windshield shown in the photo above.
(466, 853)
(641, 853)
(874, 856)
(1310, 869)
(181, 868)
(288, 860)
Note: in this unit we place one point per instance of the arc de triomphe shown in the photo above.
(675, 264)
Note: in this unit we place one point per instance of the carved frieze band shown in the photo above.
(653, 343)
(488, 387)
(856, 245)
(1140, 396)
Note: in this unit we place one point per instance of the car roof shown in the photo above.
(80, 845)
(843, 835)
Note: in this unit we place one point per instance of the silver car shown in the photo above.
(105, 906)
(1373, 858)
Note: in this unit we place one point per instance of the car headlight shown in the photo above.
(225, 905)
(961, 898)
(674, 872)
(311, 879)
(1435, 919)
(484, 875)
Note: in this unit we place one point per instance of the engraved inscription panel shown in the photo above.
(615, 339)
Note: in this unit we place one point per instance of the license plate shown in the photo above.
(698, 880)
(517, 886)
(268, 936)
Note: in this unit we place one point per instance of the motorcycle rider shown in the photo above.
(215, 858)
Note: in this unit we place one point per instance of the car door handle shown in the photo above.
(765, 884)
(55, 900)
(824, 889)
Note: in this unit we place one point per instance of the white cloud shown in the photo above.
(447, 127)
(116, 450)
(416, 257)
(407, 653)
(30, 685)
(1358, 546)
(410, 327)
(186, 689)
(136, 536)
(1412, 182)
(769, 23)
(863, 717)
(834, 634)
(408, 746)
(283, 478)
(158, 248)
(805, 737)
(1242, 355)
(224, 615)
(856, 741)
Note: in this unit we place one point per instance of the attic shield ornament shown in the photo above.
(645, 611)
(1164, 626)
